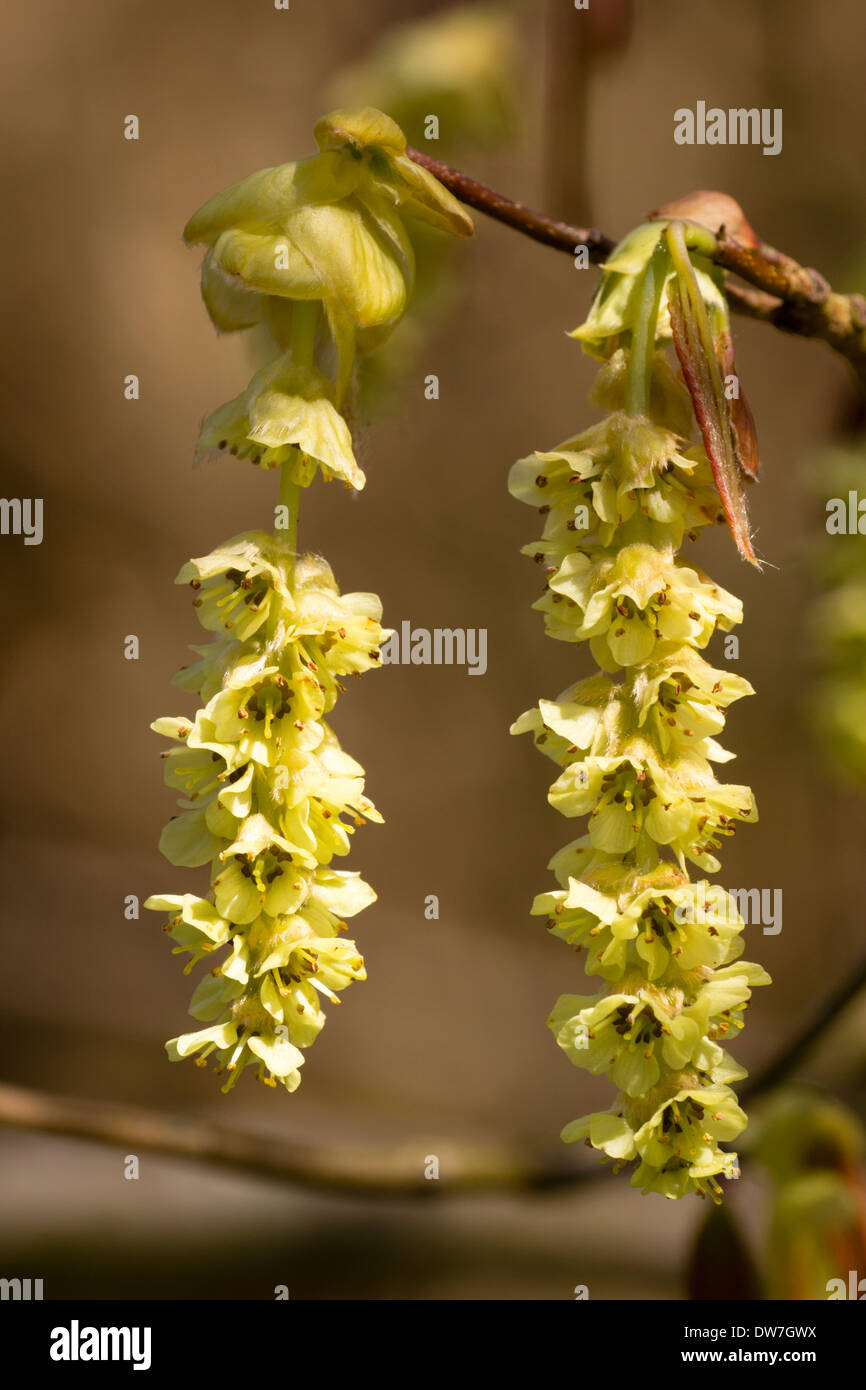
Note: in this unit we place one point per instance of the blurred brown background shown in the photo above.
(446, 1041)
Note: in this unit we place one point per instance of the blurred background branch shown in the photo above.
(574, 58)
(789, 1058)
(395, 1171)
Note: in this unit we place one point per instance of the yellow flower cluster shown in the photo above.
(635, 745)
(269, 798)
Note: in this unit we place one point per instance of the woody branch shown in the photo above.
(355, 1172)
(778, 290)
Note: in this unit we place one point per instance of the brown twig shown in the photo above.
(354, 1172)
(517, 215)
(359, 1172)
(785, 294)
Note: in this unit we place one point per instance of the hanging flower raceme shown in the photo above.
(636, 745)
(267, 796)
(269, 800)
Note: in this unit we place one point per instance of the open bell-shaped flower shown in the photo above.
(630, 600)
(632, 1038)
(235, 1047)
(241, 584)
(658, 918)
(285, 416)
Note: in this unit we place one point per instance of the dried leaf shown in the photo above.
(711, 209)
(711, 412)
(745, 435)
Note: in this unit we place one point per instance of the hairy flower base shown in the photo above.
(268, 798)
(636, 748)
(626, 477)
